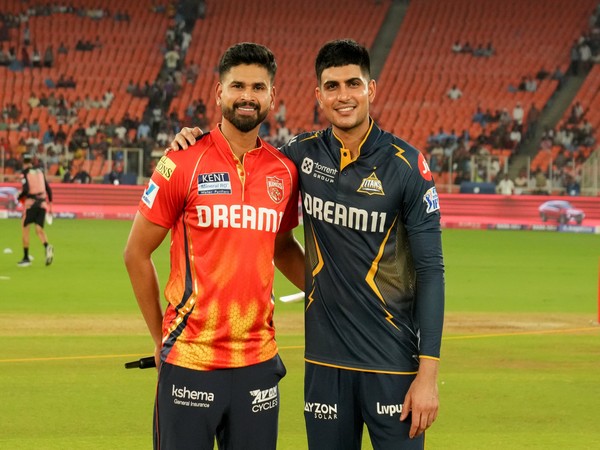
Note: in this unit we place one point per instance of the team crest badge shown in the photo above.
(371, 185)
(275, 189)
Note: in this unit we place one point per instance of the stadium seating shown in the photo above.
(293, 33)
(411, 99)
(421, 67)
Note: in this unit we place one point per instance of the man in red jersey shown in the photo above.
(231, 204)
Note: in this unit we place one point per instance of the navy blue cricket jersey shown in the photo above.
(375, 272)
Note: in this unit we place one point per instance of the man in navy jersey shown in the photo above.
(375, 287)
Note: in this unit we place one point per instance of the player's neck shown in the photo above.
(352, 138)
(239, 141)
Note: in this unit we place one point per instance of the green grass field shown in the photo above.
(520, 364)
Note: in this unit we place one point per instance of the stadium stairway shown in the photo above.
(386, 36)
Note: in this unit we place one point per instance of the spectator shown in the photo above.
(515, 136)
(541, 183)
(505, 186)
(542, 74)
(49, 57)
(4, 61)
(585, 56)
(518, 113)
(172, 58)
(479, 117)
(575, 58)
(281, 113)
(26, 35)
(33, 101)
(531, 84)
(25, 60)
(558, 75)
(533, 117)
(62, 49)
(454, 93)
(577, 113)
(521, 182)
(572, 186)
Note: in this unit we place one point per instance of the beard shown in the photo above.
(244, 123)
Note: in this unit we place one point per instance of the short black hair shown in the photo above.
(342, 52)
(248, 53)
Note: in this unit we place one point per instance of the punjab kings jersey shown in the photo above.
(224, 217)
(375, 292)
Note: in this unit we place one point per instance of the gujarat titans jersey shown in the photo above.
(374, 290)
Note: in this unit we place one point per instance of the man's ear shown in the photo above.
(218, 92)
(273, 98)
(318, 96)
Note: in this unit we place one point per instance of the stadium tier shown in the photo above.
(153, 64)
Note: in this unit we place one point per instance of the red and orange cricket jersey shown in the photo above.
(224, 217)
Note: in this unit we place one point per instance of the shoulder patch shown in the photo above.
(165, 167)
(424, 168)
(150, 194)
(431, 200)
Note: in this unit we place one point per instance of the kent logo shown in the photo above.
(214, 183)
(213, 177)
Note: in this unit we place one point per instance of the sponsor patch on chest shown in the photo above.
(214, 183)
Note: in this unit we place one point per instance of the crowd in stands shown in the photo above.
(469, 156)
(479, 51)
(65, 151)
(481, 158)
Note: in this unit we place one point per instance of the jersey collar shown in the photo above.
(223, 143)
(365, 146)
